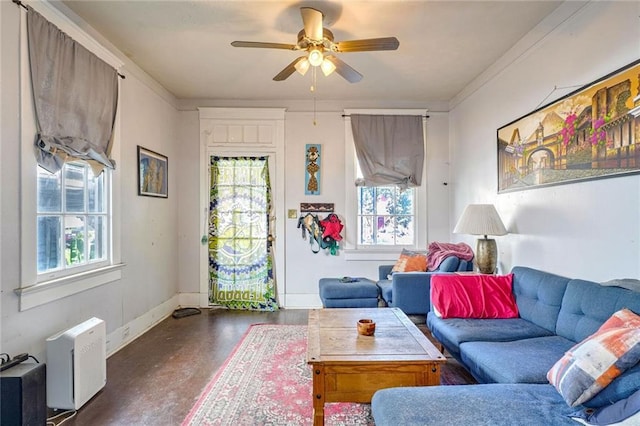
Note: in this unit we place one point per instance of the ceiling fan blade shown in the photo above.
(264, 45)
(288, 70)
(348, 73)
(312, 19)
(384, 43)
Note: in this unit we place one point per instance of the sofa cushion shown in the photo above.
(410, 261)
(473, 296)
(336, 288)
(592, 364)
(587, 305)
(386, 291)
(626, 410)
(519, 361)
(454, 331)
(538, 295)
(478, 405)
(622, 387)
(449, 264)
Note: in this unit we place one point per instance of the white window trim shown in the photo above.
(32, 292)
(380, 253)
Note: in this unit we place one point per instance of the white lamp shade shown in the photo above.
(315, 57)
(480, 219)
(302, 66)
(327, 67)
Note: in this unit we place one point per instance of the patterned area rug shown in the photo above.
(266, 381)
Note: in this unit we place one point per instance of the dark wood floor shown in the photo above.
(157, 378)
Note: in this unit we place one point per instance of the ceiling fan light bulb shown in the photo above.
(302, 66)
(327, 67)
(315, 57)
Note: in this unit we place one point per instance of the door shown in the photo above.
(240, 239)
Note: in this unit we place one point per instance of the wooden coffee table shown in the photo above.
(348, 367)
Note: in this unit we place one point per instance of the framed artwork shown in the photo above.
(312, 169)
(591, 133)
(153, 173)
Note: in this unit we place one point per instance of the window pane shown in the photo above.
(365, 200)
(49, 191)
(405, 202)
(365, 230)
(74, 239)
(95, 193)
(385, 230)
(74, 188)
(97, 237)
(405, 232)
(49, 243)
(385, 200)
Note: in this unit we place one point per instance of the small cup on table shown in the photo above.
(366, 327)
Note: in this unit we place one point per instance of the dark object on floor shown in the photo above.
(185, 312)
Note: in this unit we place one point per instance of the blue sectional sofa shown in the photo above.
(409, 291)
(511, 358)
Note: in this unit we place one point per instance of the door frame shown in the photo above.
(267, 119)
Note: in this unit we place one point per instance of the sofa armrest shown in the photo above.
(449, 264)
(384, 271)
(412, 291)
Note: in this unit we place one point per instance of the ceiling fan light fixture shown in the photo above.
(303, 66)
(315, 57)
(327, 67)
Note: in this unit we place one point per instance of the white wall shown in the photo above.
(585, 230)
(303, 268)
(149, 284)
(588, 230)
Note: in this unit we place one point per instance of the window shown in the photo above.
(70, 232)
(72, 218)
(386, 216)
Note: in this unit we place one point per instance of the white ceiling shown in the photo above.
(185, 45)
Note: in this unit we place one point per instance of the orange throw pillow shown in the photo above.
(410, 261)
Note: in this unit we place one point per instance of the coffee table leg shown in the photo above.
(318, 395)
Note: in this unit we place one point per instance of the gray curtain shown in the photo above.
(390, 149)
(75, 96)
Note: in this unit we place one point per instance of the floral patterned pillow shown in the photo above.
(592, 364)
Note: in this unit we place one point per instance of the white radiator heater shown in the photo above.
(76, 364)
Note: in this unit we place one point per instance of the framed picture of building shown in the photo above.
(153, 173)
(591, 133)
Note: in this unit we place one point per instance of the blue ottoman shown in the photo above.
(348, 293)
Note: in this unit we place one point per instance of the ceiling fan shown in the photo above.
(319, 46)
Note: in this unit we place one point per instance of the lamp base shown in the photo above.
(487, 255)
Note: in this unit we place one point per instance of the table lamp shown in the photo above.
(482, 219)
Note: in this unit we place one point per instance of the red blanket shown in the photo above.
(440, 251)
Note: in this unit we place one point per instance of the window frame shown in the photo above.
(352, 250)
(38, 289)
(375, 215)
(73, 269)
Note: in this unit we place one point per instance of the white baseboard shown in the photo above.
(122, 336)
(193, 300)
(301, 301)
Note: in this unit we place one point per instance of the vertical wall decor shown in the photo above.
(312, 169)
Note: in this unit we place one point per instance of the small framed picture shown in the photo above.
(153, 173)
